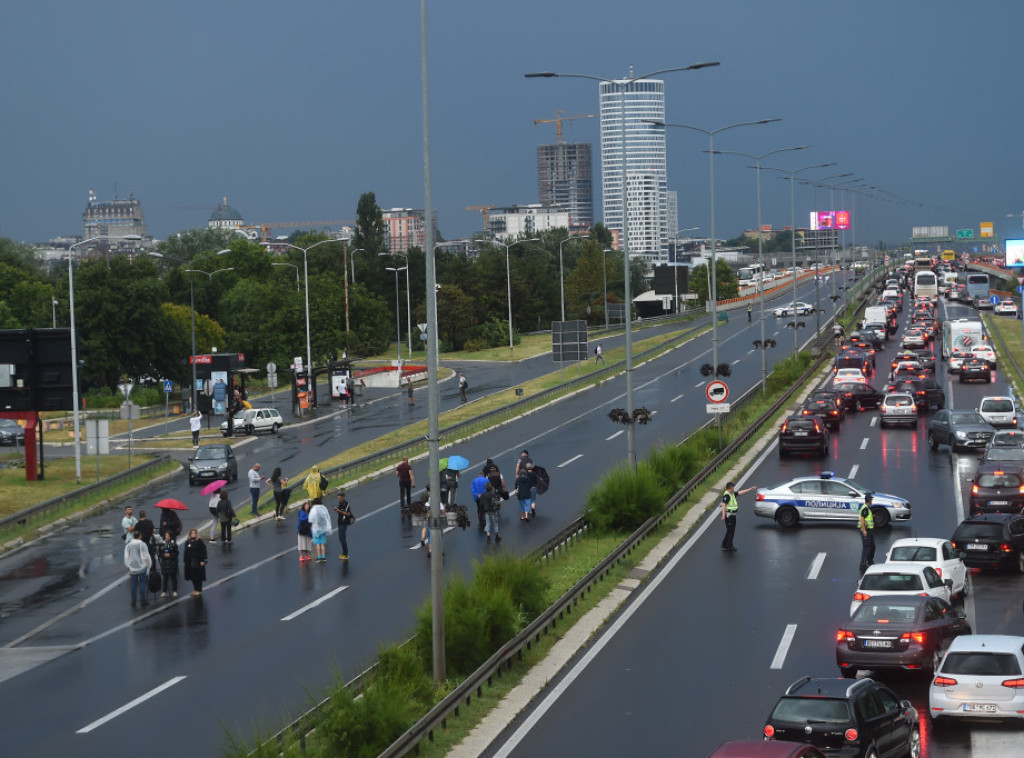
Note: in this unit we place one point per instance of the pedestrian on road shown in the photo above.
(195, 562)
(214, 502)
(463, 386)
(168, 556)
(278, 482)
(305, 533)
(526, 487)
(315, 485)
(225, 515)
(406, 481)
(409, 385)
(750, 312)
(350, 389)
(170, 522)
(492, 510)
(146, 529)
(195, 425)
(128, 523)
(866, 525)
(254, 487)
(425, 533)
(138, 563)
(345, 520)
(449, 485)
(599, 354)
(524, 458)
(730, 505)
(320, 527)
(477, 488)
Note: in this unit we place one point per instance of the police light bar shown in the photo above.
(827, 474)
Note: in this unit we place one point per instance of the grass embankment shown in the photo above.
(1009, 329)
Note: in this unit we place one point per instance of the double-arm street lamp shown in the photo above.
(561, 274)
(508, 282)
(398, 312)
(760, 247)
(408, 301)
(623, 85)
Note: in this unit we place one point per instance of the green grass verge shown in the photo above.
(1009, 330)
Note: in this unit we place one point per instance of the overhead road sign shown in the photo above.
(964, 234)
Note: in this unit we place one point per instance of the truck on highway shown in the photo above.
(961, 334)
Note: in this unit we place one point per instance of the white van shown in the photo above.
(926, 284)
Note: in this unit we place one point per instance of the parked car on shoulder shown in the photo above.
(1005, 308)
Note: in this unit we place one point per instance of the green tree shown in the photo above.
(191, 243)
(726, 283)
(369, 232)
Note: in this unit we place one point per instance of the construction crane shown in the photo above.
(557, 121)
(485, 210)
(265, 228)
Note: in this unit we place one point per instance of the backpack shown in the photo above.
(323, 482)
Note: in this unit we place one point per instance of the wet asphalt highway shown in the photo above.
(247, 653)
(704, 655)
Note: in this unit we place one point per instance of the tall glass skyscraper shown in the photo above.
(646, 176)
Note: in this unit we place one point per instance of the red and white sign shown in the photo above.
(717, 391)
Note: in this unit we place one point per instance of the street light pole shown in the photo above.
(622, 86)
(398, 309)
(291, 265)
(675, 263)
(508, 282)
(604, 271)
(561, 273)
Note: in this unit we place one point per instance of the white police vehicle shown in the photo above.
(826, 497)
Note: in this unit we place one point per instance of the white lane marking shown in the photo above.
(864, 444)
(128, 706)
(751, 350)
(700, 384)
(736, 361)
(853, 470)
(613, 436)
(874, 420)
(595, 649)
(677, 397)
(816, 566)
(784, 643)
(314, 604)
(574, 458)
(417, 546)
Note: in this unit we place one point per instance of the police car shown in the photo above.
(826, 497)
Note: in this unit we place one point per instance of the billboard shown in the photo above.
(1015, 252)
(830, 220)
(986, 228)
(931, 231)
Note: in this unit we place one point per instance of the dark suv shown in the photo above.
(997, 487)
(801, 434)
(991, 541)
(859, 718)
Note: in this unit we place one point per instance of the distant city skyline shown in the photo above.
(292, 111)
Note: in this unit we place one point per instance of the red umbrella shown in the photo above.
(172, 504)
(213, 486)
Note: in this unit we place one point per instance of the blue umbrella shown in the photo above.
(457, 463)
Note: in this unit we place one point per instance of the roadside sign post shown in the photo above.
(168, 389)
(717, 393)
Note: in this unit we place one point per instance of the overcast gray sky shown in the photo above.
(293, 109)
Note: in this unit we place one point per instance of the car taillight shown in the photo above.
(769, 731)
(938, 571)
(861, 597)
(850, 735)
(785, 425)
(1006, 548)
(817, 428)
(1015, 684)
(974, 489)
(943, 681)
(842, 634)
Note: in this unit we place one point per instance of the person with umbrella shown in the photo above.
(450, 473)
(212, 490)
(169, 520)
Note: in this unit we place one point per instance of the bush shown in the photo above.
(675, 465)
(475, 344)
(624, 500)
(523, 579)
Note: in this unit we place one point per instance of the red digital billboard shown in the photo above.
(830, 220)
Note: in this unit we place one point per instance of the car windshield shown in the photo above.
(977, 663)
(912, 553)
(966, 417)
(1002, 405)
(885, 613)
(7, 423)
(998, 479)
(210, 454)
(812, 709)
(899, 400)
(891, 582)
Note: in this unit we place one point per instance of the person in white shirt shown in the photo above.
(128, 524)
(254, 487)
(138, 562)
(195, 424)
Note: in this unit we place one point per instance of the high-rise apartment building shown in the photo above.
(405, 228)
(565, 180)
(646, 183)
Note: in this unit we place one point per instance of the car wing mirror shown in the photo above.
(961, 615)
(948, 583)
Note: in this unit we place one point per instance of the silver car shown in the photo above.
(981, 677)
(897, 408)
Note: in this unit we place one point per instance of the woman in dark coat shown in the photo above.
(168, 555)
(195, 562)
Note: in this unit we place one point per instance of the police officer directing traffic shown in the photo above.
(730, 505)
(866, 524)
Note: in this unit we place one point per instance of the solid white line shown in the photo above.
(677, 397)
(574, 458)
(853, 470)
(816, 566)
(784, 643)
(141, 699)
(613, 436)
(864, 443)
(314, 604)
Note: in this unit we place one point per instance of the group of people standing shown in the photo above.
(152, 561)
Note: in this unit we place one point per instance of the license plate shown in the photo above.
(982, 707)
(998, 502)
(878, 643)
(799, 434)
(977, 546)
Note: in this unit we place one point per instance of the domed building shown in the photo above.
(225, 217)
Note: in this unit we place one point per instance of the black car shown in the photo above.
(927, 360)
(898, 632)
(991, 541)
(958, 429)
(1009, 457)
(833, 397)
(870, 337)
(824, 410)
(859, 396)
(926, 391)
(975, 368)
(853, 359)
(803, 434)
(212, 462)
(11, 432)
(997, 487)
(860, 718)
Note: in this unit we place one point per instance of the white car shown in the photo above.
(998, 410)
(1006, 308)
(956, 360)
(255, 420)
(914, 339)
(986, 353)
(934, 552)
(798, 309)
(849, 375)
(826, 497)
(908, 579)
(981, 676)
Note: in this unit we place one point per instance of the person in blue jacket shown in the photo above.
(477, 488)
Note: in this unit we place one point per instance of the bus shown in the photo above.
(926, 284)
(922, 263)
(977, 285)
(748, 275)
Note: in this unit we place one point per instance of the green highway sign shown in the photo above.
(965, 234)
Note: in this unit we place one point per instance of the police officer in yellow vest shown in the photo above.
(730, 505)
(866, 524)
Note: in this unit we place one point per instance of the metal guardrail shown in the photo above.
(48, 509)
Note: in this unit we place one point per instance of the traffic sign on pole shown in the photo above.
(168, 386)
(717, 391)
(718, 407)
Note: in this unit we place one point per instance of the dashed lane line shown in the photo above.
(574, 458)
(816, 565)
(677, 397)
(315, 603)
(784, 643)
(864, 444)
(853, 470)
(613, 436)
(128, 706)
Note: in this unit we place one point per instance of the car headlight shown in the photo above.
(193, 468)
(961, 435)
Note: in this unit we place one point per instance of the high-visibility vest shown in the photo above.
(868, 516)
(733, 504)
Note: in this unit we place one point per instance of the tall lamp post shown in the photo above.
(561, 273)
(398, 309)
(713, 268)
(675, 262)
(74, 346)
(816, 184)
(408, 299)
(760, 247)
(622, 85)
(604, 271)
(291, 265)
(508, 282)
(791, 175)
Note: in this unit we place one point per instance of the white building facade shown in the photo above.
(525, 221)
(646, 172)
